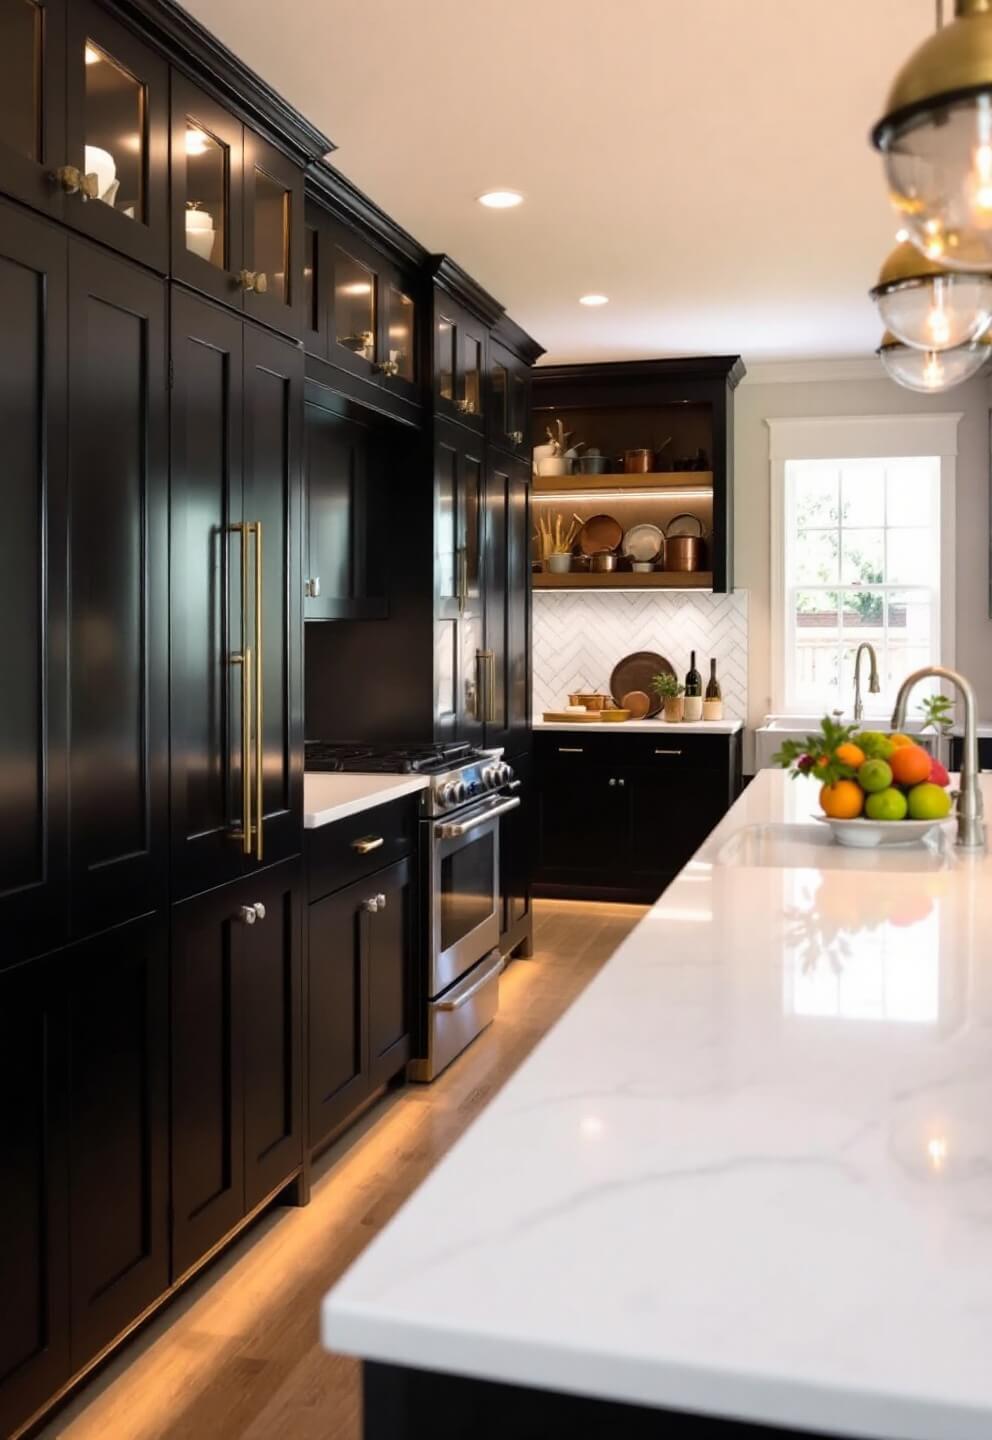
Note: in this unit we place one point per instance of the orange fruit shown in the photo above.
(850, 754)
(843, 800)
(910, 765)
(899, 739)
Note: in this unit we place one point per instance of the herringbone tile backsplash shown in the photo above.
(579, 638)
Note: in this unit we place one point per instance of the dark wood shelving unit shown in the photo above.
(625, 580)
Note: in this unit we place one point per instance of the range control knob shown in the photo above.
(453, 793)
(505, 772)
(490, 777)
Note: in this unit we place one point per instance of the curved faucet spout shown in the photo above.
(873, 686)
(970, 809)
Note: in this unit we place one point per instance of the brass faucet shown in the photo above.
(874, 688)
(971, 826)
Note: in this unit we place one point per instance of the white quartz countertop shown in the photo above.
(748, 1173)
(334, 796)
(646, 727)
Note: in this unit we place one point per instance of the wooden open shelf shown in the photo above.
(625, 580)
(552, 485)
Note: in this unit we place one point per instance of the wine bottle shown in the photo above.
(693, 680)
(713, 691)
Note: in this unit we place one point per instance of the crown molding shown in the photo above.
(458, 283)
(346, 202)
(515, 338)
(805, 372)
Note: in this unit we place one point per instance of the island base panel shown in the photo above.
(401, 1403)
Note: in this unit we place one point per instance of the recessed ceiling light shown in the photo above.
(594, 299)
(501, 199)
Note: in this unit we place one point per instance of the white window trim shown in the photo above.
(859, 437)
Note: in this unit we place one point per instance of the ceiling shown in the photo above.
(704, 163)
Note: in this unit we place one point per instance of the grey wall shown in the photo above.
(755, 402)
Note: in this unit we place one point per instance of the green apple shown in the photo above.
(888, 804)
(929, 802)
(874, 775)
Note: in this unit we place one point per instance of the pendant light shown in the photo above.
(926, 305)
(936, 141)
(932, 371)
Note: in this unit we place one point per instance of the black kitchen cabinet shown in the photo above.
(361, 969)
(237, 213)
(505, 668)
(509, 400)
(32, 102)
(344, 489)
(118, 1087)
(460, 359)
(516, 862)
(34, 1255)
(236, 1049)
(118, 628)
(117, 136)
(618, 817)
(236, 463)
(459, 600)
(33, 855)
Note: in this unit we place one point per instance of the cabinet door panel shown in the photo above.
(32, 586)
(34, 1261)
(509, 400)
(207, 346)
(271, 977)
(119, 1001)
(340, 491)
(117, 128)
(507, 593)
(207, 156)
(207, 1089)
(272, 496)
(391, 940)
(583, 824)
(696, 795)
(337, 1049)
(118, 624)
(32, 101)
(273, 235)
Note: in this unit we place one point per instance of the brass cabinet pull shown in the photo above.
(70, 177)
(367, 844)
(387, 367)
(247, 915)
(517, 436)
(467, 407)
(255, 528)
(486, 680)
(242, 657)
(462, 577)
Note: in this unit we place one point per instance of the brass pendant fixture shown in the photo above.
(931, 372)
(927, 306)
(936, 141)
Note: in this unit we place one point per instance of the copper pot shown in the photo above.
(638, 462)
(684, 553)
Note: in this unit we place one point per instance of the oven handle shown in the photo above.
(455, 829)
(459, 1000)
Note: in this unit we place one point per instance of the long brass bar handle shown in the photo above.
(490, 659)
(243, 658)
(462, 578)
(255, 528)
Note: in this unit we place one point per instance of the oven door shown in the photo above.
(464, 910)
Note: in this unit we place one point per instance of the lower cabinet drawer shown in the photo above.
(347, 850)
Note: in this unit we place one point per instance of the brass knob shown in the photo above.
(387, 367)
(89, 187)
(259, 910)
(517, 436)
(247, 914)
(70, 177)
(255, 280)
(467, 407)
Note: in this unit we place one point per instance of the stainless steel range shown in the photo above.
(469, 791)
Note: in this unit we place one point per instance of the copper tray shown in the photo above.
(635, 672)
(600, 532)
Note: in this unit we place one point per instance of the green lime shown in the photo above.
(875, 745)
(874, 775)
(888, 804)
(929, 802)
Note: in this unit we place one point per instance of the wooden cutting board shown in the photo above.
(565, 717)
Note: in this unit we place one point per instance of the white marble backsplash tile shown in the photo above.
(578, 638)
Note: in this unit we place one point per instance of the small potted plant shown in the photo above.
(671, 691)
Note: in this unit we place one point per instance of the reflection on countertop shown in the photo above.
(749, 1173)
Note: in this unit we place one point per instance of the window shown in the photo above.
(862, 551)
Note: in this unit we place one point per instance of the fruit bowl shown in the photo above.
(862, 834)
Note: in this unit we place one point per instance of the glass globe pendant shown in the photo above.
(936, 141)
(930, 372)
(925, 305)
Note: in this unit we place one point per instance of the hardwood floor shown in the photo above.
(237, 1354)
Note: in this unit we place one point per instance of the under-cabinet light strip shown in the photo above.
(621, 589)
(577, 495)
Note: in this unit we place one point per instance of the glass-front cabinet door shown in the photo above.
(32, 101)
(509, 398)
(207, 222)
(115, 180)
(459, 362)
(271, 276)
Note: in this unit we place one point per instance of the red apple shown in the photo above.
(938, 775)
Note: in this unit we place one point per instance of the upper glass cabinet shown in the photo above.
(237, 222)
(21, 77)
(354, 305)
(459, 362)
(115, 176)
(400, 311)
(509, 399)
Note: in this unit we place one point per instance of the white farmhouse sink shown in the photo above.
(768, 737)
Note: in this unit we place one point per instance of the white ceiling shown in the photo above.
(704, 163)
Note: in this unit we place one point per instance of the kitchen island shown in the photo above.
(747, 1177)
